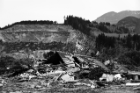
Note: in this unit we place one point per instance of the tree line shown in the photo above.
(83, 25)
(126, 50)
(78, 23)
(86, 26)
(29, 22)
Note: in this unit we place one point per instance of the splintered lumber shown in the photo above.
(96, 61)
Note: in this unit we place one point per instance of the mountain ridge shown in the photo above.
(130, 22)
(114, 17)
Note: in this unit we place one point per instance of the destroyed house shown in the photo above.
(56, 58)
(133, 75)
(67, 59)
(90, 61)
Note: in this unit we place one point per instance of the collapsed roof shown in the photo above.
(56, 58)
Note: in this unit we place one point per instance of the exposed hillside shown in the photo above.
(132, 23)
(114, 17)
(51, 34)
(36, 33)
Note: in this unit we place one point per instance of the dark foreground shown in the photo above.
(13, 85)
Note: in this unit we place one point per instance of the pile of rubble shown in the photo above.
(67, 71)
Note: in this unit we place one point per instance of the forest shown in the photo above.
(86, 26)
(125, 50)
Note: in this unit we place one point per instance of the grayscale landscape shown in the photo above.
(40, 54)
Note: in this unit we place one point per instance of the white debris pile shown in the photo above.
(118, 77)
(111, 77)
(107, 77)
(68, 77)
(27, 76)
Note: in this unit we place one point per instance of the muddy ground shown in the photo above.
(41, 86)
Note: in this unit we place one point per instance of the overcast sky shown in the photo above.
(18, 10)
